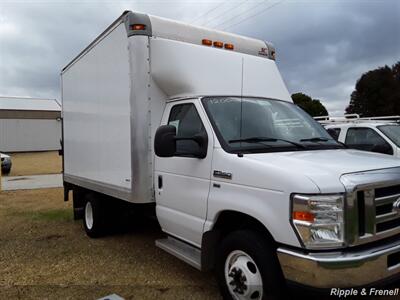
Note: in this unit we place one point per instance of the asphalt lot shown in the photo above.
(30, 182)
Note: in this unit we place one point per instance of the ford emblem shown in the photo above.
(396, 206)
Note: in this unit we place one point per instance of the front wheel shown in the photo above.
(247, 267)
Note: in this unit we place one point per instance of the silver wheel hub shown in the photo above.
(242, 276)
(89, 215)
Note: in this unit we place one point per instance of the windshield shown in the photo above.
(264, 125)
(392, 132)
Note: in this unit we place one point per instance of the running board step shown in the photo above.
(181, 250)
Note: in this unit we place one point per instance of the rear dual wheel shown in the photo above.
(6, 171)
(94, 218)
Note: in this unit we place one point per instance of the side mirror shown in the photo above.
(383, 148)
(333, 133)
(164, 141)
(202, 141)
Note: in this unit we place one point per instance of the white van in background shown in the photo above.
(379, 134)
(205, 135)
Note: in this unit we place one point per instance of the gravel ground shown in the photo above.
(44, 254)
(35, 163)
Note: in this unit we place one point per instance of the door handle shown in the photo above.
(160, 182)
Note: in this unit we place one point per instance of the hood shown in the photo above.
(325, 167)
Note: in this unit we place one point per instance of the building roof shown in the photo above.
(29, 104)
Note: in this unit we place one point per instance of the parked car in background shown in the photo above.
(5, 163)
(379, 134)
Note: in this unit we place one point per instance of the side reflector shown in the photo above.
(206, 42)
(138, 27)
(218, 44)
(303, 216)
(229, 46)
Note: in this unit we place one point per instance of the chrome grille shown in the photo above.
(386, 217)
(376, 217)
(370, 214)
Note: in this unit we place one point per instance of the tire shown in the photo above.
(6, 171)
(247, 267)
(94, 216)
(78, 204)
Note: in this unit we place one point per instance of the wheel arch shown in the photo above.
(228, 221)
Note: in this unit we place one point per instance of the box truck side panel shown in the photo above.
(96, 112)
(147, 105)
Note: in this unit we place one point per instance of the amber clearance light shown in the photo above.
(206, 42)
(218, 44)
(229, 46)
(138, 27)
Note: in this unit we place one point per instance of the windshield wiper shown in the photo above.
(265, 139)
(322, 139)
(315, 139)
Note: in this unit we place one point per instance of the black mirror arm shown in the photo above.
(196, 139)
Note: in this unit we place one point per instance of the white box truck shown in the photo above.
(197, 125)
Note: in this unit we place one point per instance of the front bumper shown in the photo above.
(341, 269)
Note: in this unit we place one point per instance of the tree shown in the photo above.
(377, 93)
(313, 106)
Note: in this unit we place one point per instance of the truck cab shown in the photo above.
(241, 180)
(245, 157)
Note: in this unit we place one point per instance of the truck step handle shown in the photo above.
(160, 182)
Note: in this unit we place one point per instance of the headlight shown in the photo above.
(318, 220)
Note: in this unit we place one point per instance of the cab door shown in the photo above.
(367, 139)
(182, 182)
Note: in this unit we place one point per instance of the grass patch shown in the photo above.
(47, 215)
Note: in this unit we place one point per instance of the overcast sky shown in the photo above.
(323, 46)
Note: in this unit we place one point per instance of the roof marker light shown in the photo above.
(206, 42)
(218, 44)
(229, 46)
(138, 27)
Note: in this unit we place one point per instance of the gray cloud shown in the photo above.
(323, 46)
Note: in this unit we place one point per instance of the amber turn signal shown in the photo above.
(303, 216)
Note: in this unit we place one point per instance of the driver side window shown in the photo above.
(188, 124)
